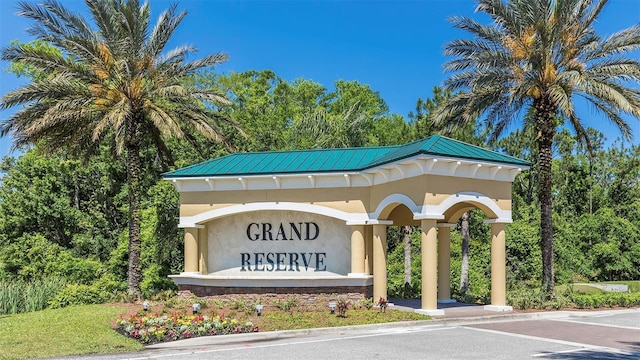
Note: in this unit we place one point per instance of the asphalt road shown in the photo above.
(553, 335)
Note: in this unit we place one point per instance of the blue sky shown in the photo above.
(394, 46)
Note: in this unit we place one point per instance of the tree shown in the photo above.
(112, 83)
(464, 268)
(542, 55)
(344, 117)
(406, 229)
(264, 104)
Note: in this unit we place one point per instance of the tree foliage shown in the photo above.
(64, 216)
(113, 81)
(539, 56)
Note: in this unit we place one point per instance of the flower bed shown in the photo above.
(150, 329)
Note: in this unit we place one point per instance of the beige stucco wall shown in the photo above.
(425, 189)
(227, 239)
(350, 200)
(433, 189)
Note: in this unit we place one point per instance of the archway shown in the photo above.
(435, 222)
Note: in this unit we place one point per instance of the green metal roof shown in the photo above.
(338, 160)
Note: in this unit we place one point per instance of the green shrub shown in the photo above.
(125, 296)
(25, 296)
(526, 298)
(164, 295)
(535, 298)
(583, 301)
(287, 304)
(75, 270)
(108, 283)
(78, 294)
(155, 281)
(366, 303)
(595, 301)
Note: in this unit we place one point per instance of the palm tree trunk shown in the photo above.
(407, 254)
(590, 184)
(133, 176)
(546, 128)
(464, 268)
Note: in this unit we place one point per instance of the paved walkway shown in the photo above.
(451, 310)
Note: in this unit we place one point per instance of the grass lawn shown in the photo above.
(62, 332)
(583, 289)
(283, 320)
(81, 330)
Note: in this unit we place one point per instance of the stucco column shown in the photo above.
(357, 250)
(191, 250)
(203, 250)
(429, 265)
(498, 268)
(444, 262)
(379, 262)
(368, 250)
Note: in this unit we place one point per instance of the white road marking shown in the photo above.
(530, 337)
(596, 324)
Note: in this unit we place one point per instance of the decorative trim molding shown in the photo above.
(446, 225)
(498, 221)
(259, 282)
(499, 215)
(350, 218)
(403, 169)
(187, 225)
(395, 199)
(429, 216)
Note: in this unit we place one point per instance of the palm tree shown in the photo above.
(115, 82)
(541, 55)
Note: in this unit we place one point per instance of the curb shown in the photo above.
(461, 321)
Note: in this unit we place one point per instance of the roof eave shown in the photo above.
(412, 166)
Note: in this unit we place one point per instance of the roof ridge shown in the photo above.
(315, 150)
(478, 147)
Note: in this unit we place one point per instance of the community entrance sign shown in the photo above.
(314, 221)
(278, 243)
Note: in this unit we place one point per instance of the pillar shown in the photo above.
(191, 250)
(203, 250)
(368, 250)
(429, 265)
(444, 262)
(498, 269)
(379, 262)
(357, 250)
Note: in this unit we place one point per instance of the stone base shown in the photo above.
(212, 285)
(436, 312)
(498, 308)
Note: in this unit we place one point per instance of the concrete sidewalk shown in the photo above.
(456, 314)
(451, 310)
